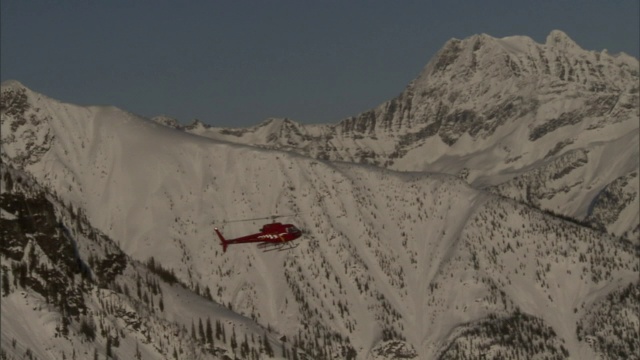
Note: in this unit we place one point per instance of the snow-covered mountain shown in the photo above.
(68, 291)
(104, 209)
(539, 123)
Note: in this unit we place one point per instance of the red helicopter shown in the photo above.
(274, 236)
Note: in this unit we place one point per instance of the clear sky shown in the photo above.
(236, 63)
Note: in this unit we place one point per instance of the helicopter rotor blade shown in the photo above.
(272, 217)
(243, 220)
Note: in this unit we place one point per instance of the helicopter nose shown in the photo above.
(294, 230)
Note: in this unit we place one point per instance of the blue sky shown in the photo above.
(236, 63)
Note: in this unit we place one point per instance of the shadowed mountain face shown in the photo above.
(69, 291)
(549, 124)
(391, 265)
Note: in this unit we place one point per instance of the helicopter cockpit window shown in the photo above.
(292, 230)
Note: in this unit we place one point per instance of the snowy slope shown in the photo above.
(500, 113)
(69, 292)
(391, 263)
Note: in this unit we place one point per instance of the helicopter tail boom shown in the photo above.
(222, 240)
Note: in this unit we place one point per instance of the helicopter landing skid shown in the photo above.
(266, 247)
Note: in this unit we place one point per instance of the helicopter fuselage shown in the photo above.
(274, 234)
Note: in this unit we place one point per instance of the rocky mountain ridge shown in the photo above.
(392, 264)
(500, 113)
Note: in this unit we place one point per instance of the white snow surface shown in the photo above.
(382, 250)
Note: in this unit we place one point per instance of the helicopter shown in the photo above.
(273, 236)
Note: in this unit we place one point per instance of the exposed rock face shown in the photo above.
(44, 258)
(509, 337)
(614, 206)
(23, 126)
(394, 349)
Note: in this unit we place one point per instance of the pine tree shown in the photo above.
(209, 332)
(224, 334)
(267, 346)
(218, 330)
(65, 324)
(138, 354)
(5, 284)
(201, 330)
(22, 274)
(234, 342)
(244, 347)
(108, 351)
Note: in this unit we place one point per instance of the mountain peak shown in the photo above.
(559, 39)
(13, 85)
(196, 124)
(167, 121)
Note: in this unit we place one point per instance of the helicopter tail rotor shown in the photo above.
(223, 242)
